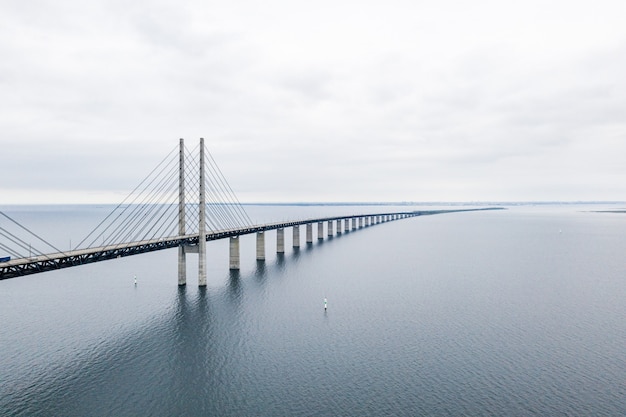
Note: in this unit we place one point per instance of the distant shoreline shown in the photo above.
(399, 203)
(437, 203)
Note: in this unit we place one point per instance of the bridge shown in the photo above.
(176, 206)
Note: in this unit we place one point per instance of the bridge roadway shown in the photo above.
(49, 262)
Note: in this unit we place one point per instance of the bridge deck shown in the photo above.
(41, 263)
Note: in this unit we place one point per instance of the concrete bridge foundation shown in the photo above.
(280, 240)
(296, 236)
(234, 253)
(309, 233)
(260, 246)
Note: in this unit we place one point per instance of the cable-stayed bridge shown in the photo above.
(184, 202)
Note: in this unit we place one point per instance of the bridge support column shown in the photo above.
(346, 225)
(182, 260)
(234, 253)
(201, 223)
(280, 240)
(309, 233)
(338, 226)
(354, 223)
(260, 246)
(330, 228)
(360, 222)
(182, 266)
(296, 236)
(320, 230)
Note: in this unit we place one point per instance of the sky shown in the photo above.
(325, 101)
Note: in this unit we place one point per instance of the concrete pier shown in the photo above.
(182, 266)
(309, 233)
(280, 240)
(260, 246)
(234, 253)
(320, 230)
(346, 225)
(296, 236)
(354, 223)
(338, 227)
(330, 228)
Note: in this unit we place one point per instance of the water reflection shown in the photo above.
(190, 354)
(260, 270)
(234, 284)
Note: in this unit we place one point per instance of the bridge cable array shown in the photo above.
(18, 243)
(150, 211)
(137, 211)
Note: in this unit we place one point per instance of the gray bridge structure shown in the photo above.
(149, 220)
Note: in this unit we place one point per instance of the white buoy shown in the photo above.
(325, 304)
(135, 280)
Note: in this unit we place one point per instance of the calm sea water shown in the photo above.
(518, 312)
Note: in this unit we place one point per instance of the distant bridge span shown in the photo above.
(53, 261)
(159, 213)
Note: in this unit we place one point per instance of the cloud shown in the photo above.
(343, 101)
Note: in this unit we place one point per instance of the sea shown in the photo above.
(514, 312)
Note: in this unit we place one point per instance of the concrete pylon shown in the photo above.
(320, 230)
(182, 261)
(330, 228)
(202, 223)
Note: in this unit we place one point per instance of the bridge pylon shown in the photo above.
(200, 248)
(182, 262)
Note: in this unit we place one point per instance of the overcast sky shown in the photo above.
(446, 100)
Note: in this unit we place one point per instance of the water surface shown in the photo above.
(517, 312)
